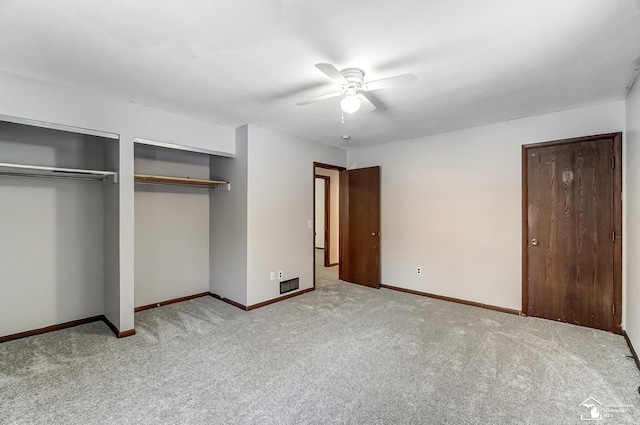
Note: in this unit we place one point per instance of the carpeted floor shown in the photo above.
(341, 354)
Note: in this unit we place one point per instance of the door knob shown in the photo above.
(373, 233)
(534, 242)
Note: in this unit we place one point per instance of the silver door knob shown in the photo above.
(534, 242)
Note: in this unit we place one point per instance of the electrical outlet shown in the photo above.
(273, 275)
(309, 224)
(419, 270)
(280, 274)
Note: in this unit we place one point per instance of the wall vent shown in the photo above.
(289, 285)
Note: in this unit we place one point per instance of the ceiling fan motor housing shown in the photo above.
(354, 76)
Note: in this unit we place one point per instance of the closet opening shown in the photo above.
(172, 224)
(59, 253)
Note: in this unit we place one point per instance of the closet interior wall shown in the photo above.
(171, 226)
(53, 250)
(228, 240)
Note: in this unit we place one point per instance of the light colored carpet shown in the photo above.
(341, 354)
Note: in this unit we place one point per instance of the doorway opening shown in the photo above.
(326, 218)
(351, 227)
(322, 217)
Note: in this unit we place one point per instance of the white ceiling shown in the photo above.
(250, 61)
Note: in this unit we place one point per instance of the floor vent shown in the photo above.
(289, 285)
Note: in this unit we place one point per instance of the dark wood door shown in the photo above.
(360, 226)
(571, 206)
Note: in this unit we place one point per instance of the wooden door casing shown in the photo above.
(360, 226)
(572, 211)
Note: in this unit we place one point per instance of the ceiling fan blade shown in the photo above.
(319, 98)
(367, 104)
(398, 80)
(331, 72)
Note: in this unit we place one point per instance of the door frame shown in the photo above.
(327, 230)
(617, 219)
(327, 217)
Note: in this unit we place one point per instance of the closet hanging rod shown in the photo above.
(20, 170)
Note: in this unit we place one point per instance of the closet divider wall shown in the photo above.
(58, 198)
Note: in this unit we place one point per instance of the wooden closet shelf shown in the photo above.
(178, 181)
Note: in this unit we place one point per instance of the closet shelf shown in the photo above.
(20, 170)
(176, 181)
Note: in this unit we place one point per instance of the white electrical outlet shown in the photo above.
(273, 275)
(280, 274)
(419, 270)
(309, 224)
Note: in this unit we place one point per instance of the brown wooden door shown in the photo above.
(570, 251)
(360, 226)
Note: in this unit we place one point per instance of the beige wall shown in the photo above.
(319, 213)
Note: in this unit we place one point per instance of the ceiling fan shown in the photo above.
(353, 86)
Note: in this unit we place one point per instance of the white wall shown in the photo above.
(632, 217)
(334, 206)
(451, 203)
(62, 105)
(52, 246)
(280, 203)
(228, 225)
(171, 227)
(56, 104)
(319, 215)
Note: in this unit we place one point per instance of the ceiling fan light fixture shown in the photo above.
(350, 103)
